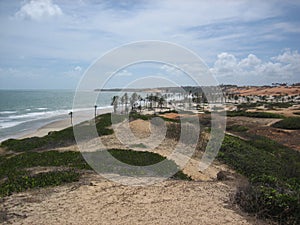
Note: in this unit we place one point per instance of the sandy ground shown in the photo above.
(244, 91)
(95, 200)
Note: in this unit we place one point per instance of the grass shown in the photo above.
(292, 123)
(254, 114)
(274, 174)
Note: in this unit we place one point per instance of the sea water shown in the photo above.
(23, 111)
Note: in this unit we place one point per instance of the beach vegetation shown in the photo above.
(67, 166)
(254, 114)
(237, 128)
(273, 171)
(292, 123)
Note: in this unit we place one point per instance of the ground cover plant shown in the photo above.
(273, 171)
(292, 123)
(67, 166)
(254, 114)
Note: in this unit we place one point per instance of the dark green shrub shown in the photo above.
(274, 174)
(254, 114)
(18, 183)
(237, 128)
(292, 123)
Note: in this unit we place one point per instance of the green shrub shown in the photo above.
(237, 128)
(254, 114)
(15, 177)
(274, 174)
(105, 164)
(292, 123)
(18, 183)
(273, 105)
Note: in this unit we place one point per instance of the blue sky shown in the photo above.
(49, 44)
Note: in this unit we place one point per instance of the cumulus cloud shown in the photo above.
(38, 10)
(75, 72)
(124, 73)
(252, 70)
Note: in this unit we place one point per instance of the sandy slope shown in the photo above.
(95, 200)
(98, 201)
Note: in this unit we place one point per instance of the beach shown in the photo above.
(79, 117)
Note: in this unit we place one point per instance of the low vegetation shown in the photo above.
(236, 128)
(292, 123)
(15, 175)
(254, 114)
(274, 174)
(61, 138)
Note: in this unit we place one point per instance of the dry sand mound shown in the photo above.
(97, 201)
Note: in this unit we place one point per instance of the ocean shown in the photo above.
(24, 111)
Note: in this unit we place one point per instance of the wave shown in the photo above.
(8, 112)
(14, 120)
(41, 108)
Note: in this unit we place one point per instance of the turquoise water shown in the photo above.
(22, 111)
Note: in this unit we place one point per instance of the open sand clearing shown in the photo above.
(94, 200)
(281, 90)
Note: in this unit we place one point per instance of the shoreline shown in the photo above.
(59, 124)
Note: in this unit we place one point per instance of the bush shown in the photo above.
(274, 174)
(292, 123)
(15, 177)
(237, 128)
(254, 114)
(20, 183)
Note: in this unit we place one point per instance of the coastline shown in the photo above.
(60, 124)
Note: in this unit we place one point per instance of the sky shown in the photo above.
(48, 44)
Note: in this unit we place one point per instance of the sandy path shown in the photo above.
(98, 201)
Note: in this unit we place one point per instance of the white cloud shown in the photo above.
(123, 73)
(75, 72)
(252, 70)
(250, 61)
(38, 10)
(78, 68)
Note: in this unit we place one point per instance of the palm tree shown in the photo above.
(122, 102)
(161, 101)
(95, 106)
(134, 97)
(71, 116)
(126, 102)
(114, 102)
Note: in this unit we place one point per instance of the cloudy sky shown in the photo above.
(49, 44)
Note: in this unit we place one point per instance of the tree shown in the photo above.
(161, 101)
(95, 106)
(134, 97)
(71, 116)
(126, 102)
(114, 102)
(236, 98)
